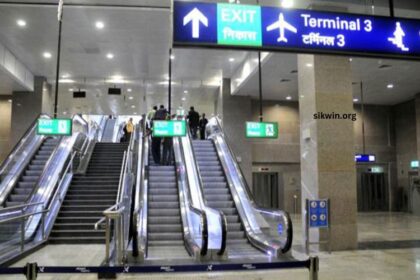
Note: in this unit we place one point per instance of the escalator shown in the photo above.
(218, 196)
(27, 182)
(165, 232)
(89, 195)
(108, 133)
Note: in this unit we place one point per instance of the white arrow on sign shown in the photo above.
(195, 16)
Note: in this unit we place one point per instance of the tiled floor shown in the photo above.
(396, 232)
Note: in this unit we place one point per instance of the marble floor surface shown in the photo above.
(389, 248)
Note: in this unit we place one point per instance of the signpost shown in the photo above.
(262, 130)
(59, 127)
(317, 217)
(304, 31)
(169, 128)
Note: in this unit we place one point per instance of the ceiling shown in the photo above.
(139, 39)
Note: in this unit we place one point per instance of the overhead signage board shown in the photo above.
(414, 164)
(365, 158)
(318, 213)
(169, 128)
(306, 31)
(54, 127)
(262, 130)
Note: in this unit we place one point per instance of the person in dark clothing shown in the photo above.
(193, 121)
(202, 125)
(160, 115)
(167, 148)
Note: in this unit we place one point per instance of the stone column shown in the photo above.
(234, 112)
(327, 152)
(27, 106)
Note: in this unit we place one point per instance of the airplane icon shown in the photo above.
(282, 25)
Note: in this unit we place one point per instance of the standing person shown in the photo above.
(202, 125)
(150, 116)
(193, 120)
(167, 149)
(156, 141)
(129, 128)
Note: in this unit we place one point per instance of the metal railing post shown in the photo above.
(22, 234)
(107, 237)
(43, 223)
(313, 268)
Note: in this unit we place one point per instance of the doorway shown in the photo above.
(373, 192)
(265, 187)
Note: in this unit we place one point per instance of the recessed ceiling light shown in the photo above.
(129, 90)
(64, 113)
(21, 23)
(390, 86)
(65, 76)
(135, 113)
(110, 56)
(71, 90)
(355, 100)
(66, 81)
(99, 25)
(172, 57)
(130, 97)
(231, 59)
(185, 91)
(183, 99)
(309, 65)
(350, 59)
(133, 106)
(10, 100)
(47, 55)
(287, 3)
(289, 98)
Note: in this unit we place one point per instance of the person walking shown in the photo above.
(167, 148)
(202, 125)
(150, 116)
(193, 120)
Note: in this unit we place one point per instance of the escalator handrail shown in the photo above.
(250, 197)
(202, 214)
(21, 143)
(201, 184)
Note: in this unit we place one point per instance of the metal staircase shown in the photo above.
(89, 195)
(30, 177)
(218, 196)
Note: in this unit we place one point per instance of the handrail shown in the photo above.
(20, 206)
(202, 214)
(20, 143)
(22, 216)
(120, 184)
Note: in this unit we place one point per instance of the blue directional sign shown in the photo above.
(365, 158)
(318, 213)
(273, 28)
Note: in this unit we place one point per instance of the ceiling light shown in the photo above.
(99, 25)
(309, 65)
(289, 98)
(390, 86)
(21, 23)
(71, 90)
(66, 81)
(135, 113)
(64, 113)
(65, 76)
(47, 55)
(133, 106)
(350, 59)
(231, 59)
(130, 97)
(185, 91)
(129, 90)
(355, 100)
(287, 3)
(183, 99)
(172, 57)
(110, 56)
(10, 100)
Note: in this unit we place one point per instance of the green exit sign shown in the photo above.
(61, 127)
(262, 130)
(169, 128)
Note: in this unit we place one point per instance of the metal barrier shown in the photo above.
(31, 270)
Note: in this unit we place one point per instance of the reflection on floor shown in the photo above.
(392, 260)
